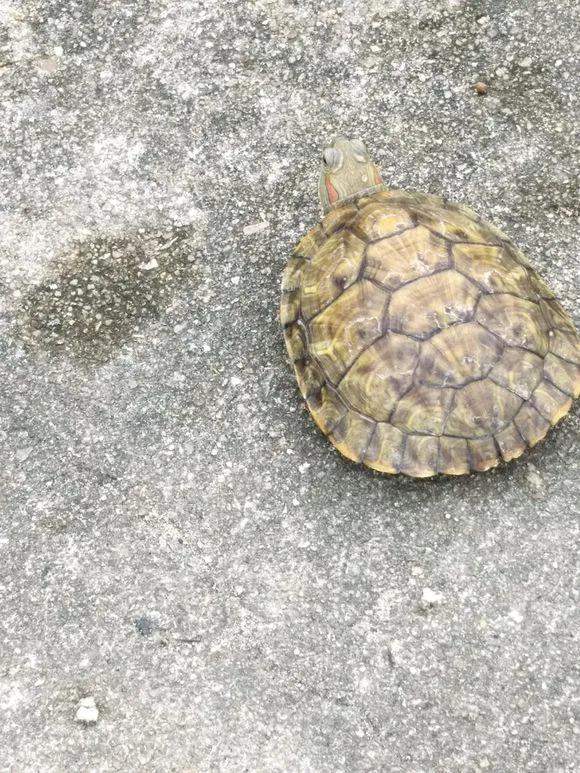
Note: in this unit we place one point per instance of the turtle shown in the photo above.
(422, 339)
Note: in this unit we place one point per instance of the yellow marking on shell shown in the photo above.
(381, 375)
(340, 332)
(290, 307)
(375, 221)
(384, 452)
(550, 402)
(454, 225)
(420, 456)
(337, 218)
(563, 374)
(326, 408)
(557, 316)
(457, 355)
(453, 456)
(393, 198)
(309, 376)
(538, 285)
(292, 275)
(309, 243)
(351, 436)
(531, 424)
(493, 269)
(565, 344)
(432, 303)
(423, 409)
(407, 256)
(334, 267)
(481, 408)
(516, 321)
(482, 454)
(510, 442)
(295, 343)
(519, 371)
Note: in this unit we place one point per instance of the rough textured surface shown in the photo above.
(178, 541)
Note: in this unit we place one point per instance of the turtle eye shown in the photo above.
(359, 150)
(332, 158)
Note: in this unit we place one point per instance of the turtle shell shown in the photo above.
(422, 340)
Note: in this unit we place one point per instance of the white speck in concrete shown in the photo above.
(150, 265)
(256, 228)
(516, 616)
(87, 711)
(431, 598)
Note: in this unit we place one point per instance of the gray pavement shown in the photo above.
(178, 543)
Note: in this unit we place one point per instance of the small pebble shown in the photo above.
(516, 616)
(150, 265)
(256, 228)
(87, 711)
(430, 598)
(481, 88)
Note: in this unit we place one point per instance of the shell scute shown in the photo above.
(381, 374)
(337, 218)
(563, 374)
(410, 255)
(492, 269)
(481, 408)
(385, 450)
(352, 434)
(531, 425)
(519, 371)
(375, 221)
(309, 243)
(551, 402)
(432, 303)
(457, 355)
(327, 408)
(341, 332)
(566, 345)
(516, 321)
(510, 442)
(453, 456)
(482, 453)
(423, 410)
(334, 267)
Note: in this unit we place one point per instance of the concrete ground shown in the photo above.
(180, 548)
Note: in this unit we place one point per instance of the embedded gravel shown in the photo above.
(191, 579)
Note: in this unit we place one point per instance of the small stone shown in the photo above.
(516, 616)
(256, 228)
(87, 711)
(526, 63)
(303, 467)
(481, 88)
(535, 482)
(22, 454)
(48, 65)
(150, 265)
(430, 598)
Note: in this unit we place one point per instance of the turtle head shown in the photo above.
(347, 171)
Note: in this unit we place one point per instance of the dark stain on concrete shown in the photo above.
(101, 293)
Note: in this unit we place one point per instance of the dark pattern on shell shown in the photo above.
(422, 339)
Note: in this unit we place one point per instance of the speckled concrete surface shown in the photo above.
(177, 541)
